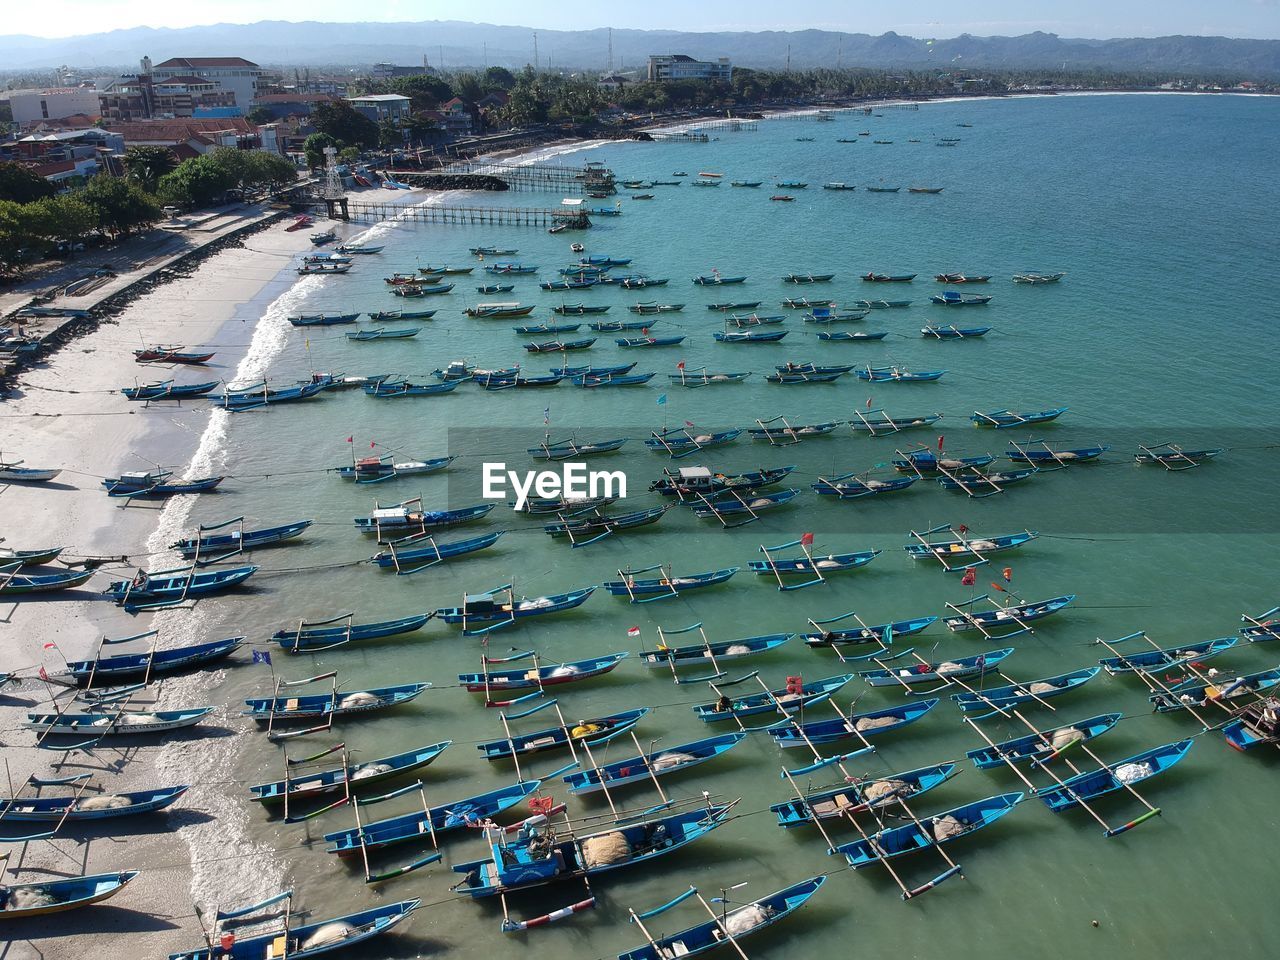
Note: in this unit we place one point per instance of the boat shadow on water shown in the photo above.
(103, 918)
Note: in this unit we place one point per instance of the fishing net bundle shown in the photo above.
(606, 849)
(736, 650)
(102, 803)
(669, 760)
(946, 827)
(875, 723)
(565, 670)
(949, 666)
(330, 933)
(747, 919)
(25, 899)
(371, 770)
(1133, 772)
(884, 789)
(1067, 735)
(1041, 686)
(361, 698)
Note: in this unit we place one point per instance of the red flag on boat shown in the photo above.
(351, 439)
(969, 578)
(688, 423)
(795, 685)
(633, 631)
(963, 528)
(43, 673)
(806, 539)
(868, 403)
(1007, 573)
(680, 365)
(372, 444)
(939, 444)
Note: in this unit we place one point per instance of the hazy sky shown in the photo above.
(922, 18)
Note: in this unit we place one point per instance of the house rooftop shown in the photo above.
(174, 63)
(380, 98)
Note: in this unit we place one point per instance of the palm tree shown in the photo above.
(146, 165)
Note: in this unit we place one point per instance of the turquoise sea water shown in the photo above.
(1159, 209)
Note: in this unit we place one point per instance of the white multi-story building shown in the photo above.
(677, 66)
(234, 74)
(56, 103)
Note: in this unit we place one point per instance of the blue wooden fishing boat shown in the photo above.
(377, 469)
(498, 311)
(667, 586)
(786, 700)
(690, 482)
(997, 699)
(804, 278)
(310, 706)
(1196, 692)
(852, 486)
(355, 777)
(582, 531)
(524, 678)
(639, 283)
(1041, 749)
(701, 653)
(360, 248)
(500, 607)
(629, 342)
(153, 662)
(925, 463)
(405, 333)
(15, 585)
(168, 390)
(546, 857)
(156, 483)
(520, 383)
(260, 395)
(593, 380)
(749, 336)
(402, 314)
(754, 320)
(312, 939)
(594, 732)
(319, 634)
(1012, 615)
(582, 284)
(506, 268)
(877, 422)
(963, 548)
(578, 309)
(809, 564)
(826, 316)
(20, 900)
(548, 328)
(401, 516)
(1168, 658)
(941, 671)
(324, 319)
(493, 252)
(789, 432)
(394, 390)
(1255, 725)
(703, 377)
(468, 812)
(88, 807)
(897, 374)
(1003, 419)
(1084, 787)
(866, 793)
(1173, 457)
(171, 354)
(789, 733)
(652, 307)
(592, 371)
(874, 277)
(408, 553)
(560, 346)
(867, 634)
(736, 504)
(491, 288)
(682, 440)
(165, 586)
(618, 326)
(729, 307)
(954, 298)
(567, 449)
(241, 539)
(1048, 456)
(803, 377)
(847, 336)
(29, 558)
(932, 831)
(646, 767)
(603, 260)
(116, 723)
(952, 332)
(715, 280)
(979, 483)
(731, 925)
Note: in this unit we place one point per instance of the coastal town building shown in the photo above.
(382, 106)
(65, 155)
(191, 136)
(145, 96)
(53, 103)
(282, 105)
(234, 74)
(388, 71)
(677, 66)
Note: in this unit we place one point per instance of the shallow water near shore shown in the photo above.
(1157, 208)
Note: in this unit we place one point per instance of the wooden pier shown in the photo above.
(538, 176)
(366, 211)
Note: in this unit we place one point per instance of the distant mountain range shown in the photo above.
(458, 44)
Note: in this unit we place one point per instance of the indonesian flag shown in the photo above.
(43, 674)
(940, 439)
(351, 439)
(50, 645)
(372, 444)
(633, 631)
(680, 365)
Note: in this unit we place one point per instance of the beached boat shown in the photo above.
(97, 806)
(106, 669)
(20, 900)
(594, 732)
(933, 831)
(311, 939)
(116, 723)
(171, 354)
(545, 857)
(13, 471)
(310, 706)
(15, 585)
(858, 796)
(313, 268)
(324, 236)
(1079, 790)
(29, 558)
(165, 587)
(168, 390)
(156, 483)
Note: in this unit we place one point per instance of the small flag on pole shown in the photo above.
(806, 539)
(662, 399)
(969, 578)
(50, 645)
(688, 423)
(351, 439)
(680, 365)
(1007, 573)
(939, 444)
(372, 444)
(633, 631)
(43, 673)
(262, 656)
(868, 403)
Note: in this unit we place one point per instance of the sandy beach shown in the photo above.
(67, 413)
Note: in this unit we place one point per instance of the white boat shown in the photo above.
(15, 472)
